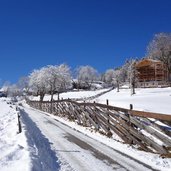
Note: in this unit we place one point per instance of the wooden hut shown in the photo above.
(151, 73)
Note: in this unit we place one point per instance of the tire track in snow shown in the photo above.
(100, 155)
(83, 145)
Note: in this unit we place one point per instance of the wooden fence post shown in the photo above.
(107, 102)
(57, 108)
(19, 123)
(51, 106)
(108, 116)
(131, 106)
(40, 105)
(129, 114)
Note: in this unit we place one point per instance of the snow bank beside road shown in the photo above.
(13, 147)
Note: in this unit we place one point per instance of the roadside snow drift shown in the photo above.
(13, 147)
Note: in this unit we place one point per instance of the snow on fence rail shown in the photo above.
(134, 127)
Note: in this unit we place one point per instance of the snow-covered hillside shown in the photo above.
(149, 99)
(72, 95)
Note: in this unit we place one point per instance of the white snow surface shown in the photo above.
(14, 152)
(71, 95)
(156, 100)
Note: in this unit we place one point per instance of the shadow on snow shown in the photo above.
(42, 156)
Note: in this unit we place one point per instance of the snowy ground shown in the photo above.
(72, 94)
(14, 152)
(150, 99)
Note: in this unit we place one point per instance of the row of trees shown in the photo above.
(56, 79)
(53, 79)
(125, 74)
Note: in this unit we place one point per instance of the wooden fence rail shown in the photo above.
(133, 127)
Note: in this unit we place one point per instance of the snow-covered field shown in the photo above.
(14, 152)
(72, 95)
(150, 99)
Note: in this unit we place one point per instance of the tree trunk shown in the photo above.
(41, 100)
(41, 97)
(169, 76)
(133, 89)
(51, 105)
(117, 86)
(51, 96)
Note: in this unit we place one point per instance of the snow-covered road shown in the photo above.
(56, 146)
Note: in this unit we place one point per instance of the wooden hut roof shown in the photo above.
(146, 62)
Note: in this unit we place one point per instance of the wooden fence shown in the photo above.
(133, 127)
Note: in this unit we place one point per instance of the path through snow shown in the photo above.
(74, 150)
(42, 156)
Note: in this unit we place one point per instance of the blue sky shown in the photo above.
(100, 33)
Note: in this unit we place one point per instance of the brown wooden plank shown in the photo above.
(151, 115)
(150, 130)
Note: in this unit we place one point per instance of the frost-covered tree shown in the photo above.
(124, 72)
(5, 87)
(23, 84)
(132, 74)
(14, 91)
(108, 76)
(50, 79)
(116, 76)
(117, 79)
(58, 78)
(160, 48)
(38, 82)
(86, 75)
